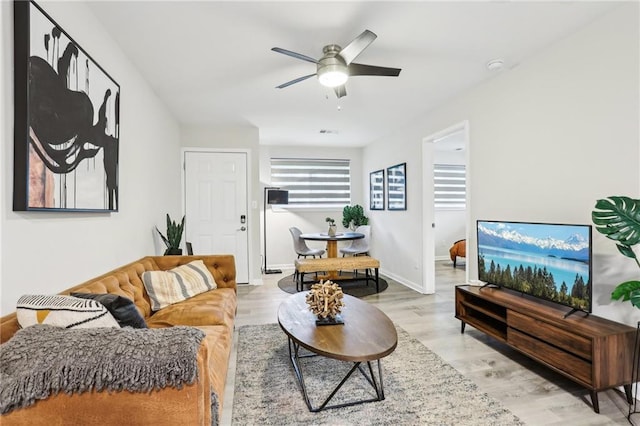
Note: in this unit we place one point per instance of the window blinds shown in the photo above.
(450, 186)
(313, 182)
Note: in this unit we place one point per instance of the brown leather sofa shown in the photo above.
(213, 312)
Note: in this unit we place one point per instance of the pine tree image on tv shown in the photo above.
(537, 282)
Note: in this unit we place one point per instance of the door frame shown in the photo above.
(247, 152)
(428, 240)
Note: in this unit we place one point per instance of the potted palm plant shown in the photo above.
(174, 236)
(618, 218)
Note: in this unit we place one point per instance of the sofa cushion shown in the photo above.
(209, 308)
(63, 311)
(168, 287)
(122, 309)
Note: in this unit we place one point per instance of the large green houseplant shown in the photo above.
(618, 218)
(353, 216)
(174, 236)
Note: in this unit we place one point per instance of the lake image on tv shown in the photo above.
(547, 261)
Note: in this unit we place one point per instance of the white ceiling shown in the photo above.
(211, 62)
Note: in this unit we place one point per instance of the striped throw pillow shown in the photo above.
(168, 287)
(63, 311)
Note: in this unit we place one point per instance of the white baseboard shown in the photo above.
(405, 282)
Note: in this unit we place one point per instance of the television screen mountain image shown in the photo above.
(549, 261)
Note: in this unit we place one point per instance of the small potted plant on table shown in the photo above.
(332, 227)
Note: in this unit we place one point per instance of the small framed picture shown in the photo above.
(397, 187)
(376, 190)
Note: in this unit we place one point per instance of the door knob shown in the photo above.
(242, 229)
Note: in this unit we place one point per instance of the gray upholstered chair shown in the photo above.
(302, 249)
(300, 245)
(360, 246)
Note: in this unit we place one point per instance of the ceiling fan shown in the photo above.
(336, 64)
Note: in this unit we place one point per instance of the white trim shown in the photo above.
(428, 259)
(413, 286)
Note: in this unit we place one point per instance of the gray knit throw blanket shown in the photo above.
(43, 360)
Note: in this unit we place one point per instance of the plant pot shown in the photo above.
(172, 251)
(332, 231)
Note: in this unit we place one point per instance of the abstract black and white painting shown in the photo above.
(66, 120)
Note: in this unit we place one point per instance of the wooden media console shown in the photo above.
(594, 352)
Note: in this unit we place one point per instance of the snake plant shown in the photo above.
(618, 218)
(174, 236)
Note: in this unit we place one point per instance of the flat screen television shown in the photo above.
(545, 260)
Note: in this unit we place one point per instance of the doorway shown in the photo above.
(216, 205)
(444, 221)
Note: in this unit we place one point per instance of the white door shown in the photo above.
(216, 206)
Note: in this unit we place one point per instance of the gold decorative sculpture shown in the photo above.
(325, 301)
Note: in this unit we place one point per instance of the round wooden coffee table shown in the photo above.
(367, 335)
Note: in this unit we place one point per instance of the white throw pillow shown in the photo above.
(63, 311)
(168, 287)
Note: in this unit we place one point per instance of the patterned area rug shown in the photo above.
(420, 388)
(352, 287)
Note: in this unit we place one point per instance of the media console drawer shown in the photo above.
(577, 368)
(551, 334)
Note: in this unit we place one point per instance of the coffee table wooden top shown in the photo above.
(366, 335)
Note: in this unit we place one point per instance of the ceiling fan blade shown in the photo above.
(294, 54)
(353, 49)
(362, 69)
(297, 80)
(340, 91)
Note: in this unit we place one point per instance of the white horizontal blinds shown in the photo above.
(313, 182)
(450, 186)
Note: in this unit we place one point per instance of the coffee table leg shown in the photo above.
(372, 380)
(294, 356)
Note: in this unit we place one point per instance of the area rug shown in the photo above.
(420, 388)
(352, 287)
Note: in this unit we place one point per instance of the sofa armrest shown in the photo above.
(190, 405)
(221, 266)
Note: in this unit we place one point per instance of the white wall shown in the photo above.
(547, 139)
(280, 252)
(244, 138)
(48, 252)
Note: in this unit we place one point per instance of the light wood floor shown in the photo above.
(533, 393)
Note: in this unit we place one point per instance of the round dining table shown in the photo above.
(332, 240)
(332, 246)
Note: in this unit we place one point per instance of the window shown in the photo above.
(313, 182)
(450, 186)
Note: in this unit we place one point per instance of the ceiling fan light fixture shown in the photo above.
(333, 75)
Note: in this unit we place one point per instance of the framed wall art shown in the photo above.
(67, 116)
(397, 187)
(376, 190)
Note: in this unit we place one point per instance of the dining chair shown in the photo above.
(301, 248)
(300, 245)
(360, 246)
